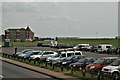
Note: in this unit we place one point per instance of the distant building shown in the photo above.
(19, 35)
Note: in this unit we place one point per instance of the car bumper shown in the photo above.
(106, 74)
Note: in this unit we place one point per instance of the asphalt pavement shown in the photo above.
(11, 50)
(12, 71)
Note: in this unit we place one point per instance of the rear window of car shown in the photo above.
(46, 53)
(70, 54)
(107, 46)
(63, 55)
(99, 46)
(77, 53)
(36, 52)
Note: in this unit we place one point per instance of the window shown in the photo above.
(46, 53)
(108, 61)
(36, 53)
(70, 54)
(107, 46)
(99, 46)
(63, 55)
(77, 53)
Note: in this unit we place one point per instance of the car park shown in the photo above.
(113, 70)
(82, 63)
(97, 66)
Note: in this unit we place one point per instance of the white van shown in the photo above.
(63, 55)
(104, 47)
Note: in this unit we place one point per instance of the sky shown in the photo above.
(62, 19)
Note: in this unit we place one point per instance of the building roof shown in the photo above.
(28, 29)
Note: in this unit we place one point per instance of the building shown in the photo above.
(19, 35)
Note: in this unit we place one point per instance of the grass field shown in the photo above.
(92, 42)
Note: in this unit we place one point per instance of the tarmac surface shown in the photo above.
(11, 50)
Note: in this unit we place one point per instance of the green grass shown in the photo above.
(94, 42)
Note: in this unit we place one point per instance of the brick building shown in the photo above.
(19, 35)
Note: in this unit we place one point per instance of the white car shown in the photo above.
(27, 52)
(24, 51)
(62, 56)
(113, 70)
(44, 55)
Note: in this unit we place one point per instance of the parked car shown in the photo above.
(44, 55)
(64, 55)
(43, 45)
(27, 56)
(113, 70)
(82, 63)
(93, 49)
(23, 51)
(61, 46)
(23, 54)
(103, 48)
(97, 66)
(65, 62)
(82, 47)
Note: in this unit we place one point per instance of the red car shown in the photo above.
(97, 66)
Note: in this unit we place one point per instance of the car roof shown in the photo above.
(36, 51)
(68, 52)
(110, 57)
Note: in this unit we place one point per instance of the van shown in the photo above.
(62, 56)
(103, 48)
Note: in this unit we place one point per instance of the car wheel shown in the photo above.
(37, 59)
(116, 76)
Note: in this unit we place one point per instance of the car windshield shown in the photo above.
(99, 61)
(57, 55)
(27, 52)
(82, 60)
(71, 57)
(115, 63)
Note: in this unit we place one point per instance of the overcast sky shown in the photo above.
(61, 19)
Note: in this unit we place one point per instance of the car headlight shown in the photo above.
(92, 67)
(74, 65)
(80, 68)
(64, 62)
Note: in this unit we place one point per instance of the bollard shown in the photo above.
(84, 72)
(53, 66)
(61, 68)
(46, 64)
(99, 75)
(72, 70)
